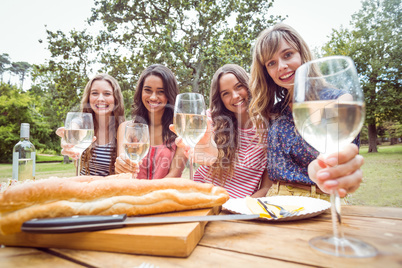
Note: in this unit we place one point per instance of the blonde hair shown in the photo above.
(117, 115)
(263, 89)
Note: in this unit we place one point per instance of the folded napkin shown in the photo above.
(269, 211)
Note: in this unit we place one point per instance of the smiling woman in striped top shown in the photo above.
(103, 99)
(232, 155)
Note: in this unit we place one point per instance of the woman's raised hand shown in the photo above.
(205, 150)
(338, 171)
(123, 164)
(68, 148)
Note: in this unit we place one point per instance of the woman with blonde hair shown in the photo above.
(102, 98)
(292, 163)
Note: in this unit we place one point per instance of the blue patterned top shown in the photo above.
(288, 154)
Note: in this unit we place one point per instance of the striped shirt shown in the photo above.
(100, 160)
(248, 169)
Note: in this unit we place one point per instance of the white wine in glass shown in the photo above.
(190, 120)
(136, 142)
(329, 110)
(79, 131)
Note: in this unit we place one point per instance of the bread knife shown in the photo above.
(97, 222)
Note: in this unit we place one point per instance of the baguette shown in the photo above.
(92, 195)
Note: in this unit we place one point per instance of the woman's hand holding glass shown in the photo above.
(339, 171)
(68, 148)
(124, 164)
(205, 151)
(136, 146)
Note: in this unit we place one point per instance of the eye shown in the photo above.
(147, 90)
(94, 93)
(270, 64)
(288, 54)
(161, 92)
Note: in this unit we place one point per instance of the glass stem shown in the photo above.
(77, 166)
(191, 165)
(336, 220)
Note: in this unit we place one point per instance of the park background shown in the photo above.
(193, 39)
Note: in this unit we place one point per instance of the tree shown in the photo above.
(20, 69)
(4, 62)
(191, 37)
(62, 80)
(17, 107)
(375, 46)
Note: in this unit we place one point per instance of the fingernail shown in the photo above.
(331, 183)
(322, 175)
(331, 161)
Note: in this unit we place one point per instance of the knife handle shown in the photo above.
(74, 223)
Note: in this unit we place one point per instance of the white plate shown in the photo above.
(312, 206)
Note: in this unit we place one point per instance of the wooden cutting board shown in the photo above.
(177, 240)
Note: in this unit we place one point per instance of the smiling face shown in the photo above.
(101, 98)
(234, 95)
(283, 65)
(153, 94)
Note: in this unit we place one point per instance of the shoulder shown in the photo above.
(331, 93)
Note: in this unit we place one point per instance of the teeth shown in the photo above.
(239, 103)
(287, 75)
(102, 106)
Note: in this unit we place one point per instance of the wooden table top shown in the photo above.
(247, 244)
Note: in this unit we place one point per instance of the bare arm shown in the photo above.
(266, 183)
(178, 164)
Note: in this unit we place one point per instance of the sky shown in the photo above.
(24, 22)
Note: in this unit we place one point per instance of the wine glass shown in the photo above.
(329, 110)
(190, 120)
(136, 142)
(79, 131)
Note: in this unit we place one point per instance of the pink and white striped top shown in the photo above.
(250, 165)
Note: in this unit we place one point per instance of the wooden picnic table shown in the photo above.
(246, 244)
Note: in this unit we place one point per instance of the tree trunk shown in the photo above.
(394, 141)
(372, 133)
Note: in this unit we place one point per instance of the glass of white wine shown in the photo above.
(329, 110)
(190, 120)
(136, 142)
(79, 131)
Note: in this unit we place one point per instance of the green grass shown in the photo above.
(382, 173)
(47, 158)
(382, 185)
(43, 170)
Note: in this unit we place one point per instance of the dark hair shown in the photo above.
(171, 90)
(225, 123)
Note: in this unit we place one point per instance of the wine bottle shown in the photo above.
(24, 156)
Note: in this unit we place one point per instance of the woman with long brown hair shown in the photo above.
(153, 105)
(238, 161)
(102, 98)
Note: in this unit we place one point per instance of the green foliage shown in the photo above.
(20, 68)
(193, 38)
(4, 62)
(18, 107)
(375, 46)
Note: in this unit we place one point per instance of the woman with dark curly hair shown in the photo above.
(153, 105)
